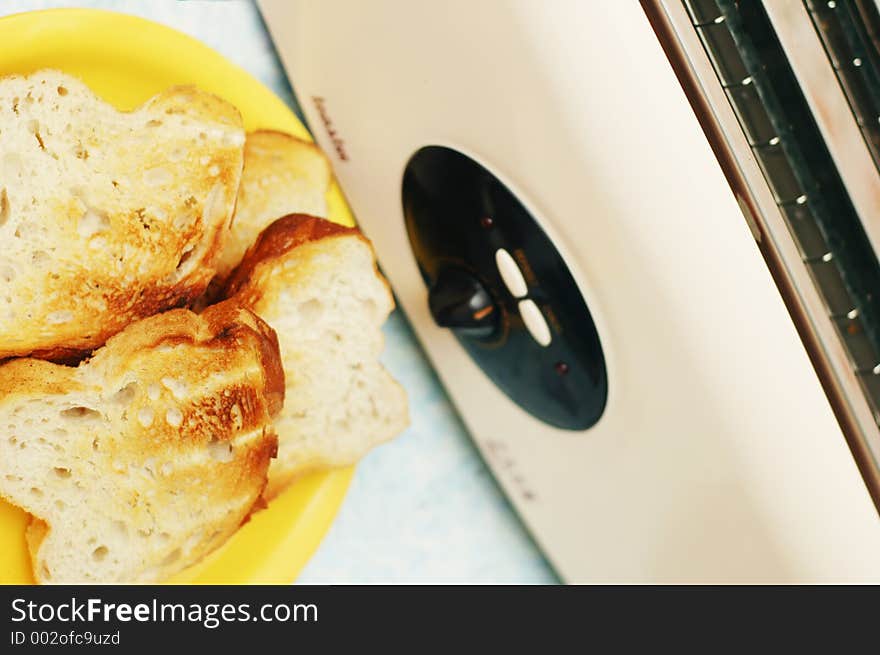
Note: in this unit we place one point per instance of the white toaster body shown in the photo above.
(718, 457)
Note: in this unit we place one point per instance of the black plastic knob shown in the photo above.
(458, 300)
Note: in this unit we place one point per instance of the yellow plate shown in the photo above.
(126, 60)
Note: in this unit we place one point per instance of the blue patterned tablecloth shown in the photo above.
(424, 508)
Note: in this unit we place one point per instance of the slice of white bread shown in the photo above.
(316, 283)
(150, 455)
(107, 216)
(282, 175)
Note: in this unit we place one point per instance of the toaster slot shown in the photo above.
(722, 49)
(789, 147)
(870, 382)
(803, 225)
(852, 332)
(751, 113)
(702, 11)
(828, 278)
(779, 173)
(849, 30)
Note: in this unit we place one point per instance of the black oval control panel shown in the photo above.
(496, 280)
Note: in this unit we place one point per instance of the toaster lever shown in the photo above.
(458, 300)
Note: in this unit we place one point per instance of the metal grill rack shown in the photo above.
(850, 32)
(783, 136)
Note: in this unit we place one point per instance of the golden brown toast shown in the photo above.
(282, 175)
(150, 455)
(316, 283)
(107, 216)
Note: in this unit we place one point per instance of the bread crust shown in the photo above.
(282, 236)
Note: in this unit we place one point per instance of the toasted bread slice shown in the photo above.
(150, 455)
(316, 283)
(107, 216)
(282, 175)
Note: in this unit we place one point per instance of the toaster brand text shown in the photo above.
(338, 144)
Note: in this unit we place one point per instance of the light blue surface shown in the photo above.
(423, 508)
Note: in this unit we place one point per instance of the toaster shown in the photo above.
(638, 242)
